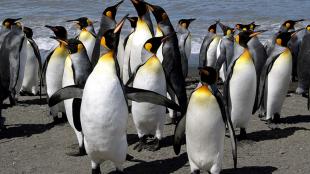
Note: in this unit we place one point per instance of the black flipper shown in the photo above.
(141, 95)
(308, 99)
(43, 71)
(179, 135)
(227, 121)
(65, 93)
(76, 107)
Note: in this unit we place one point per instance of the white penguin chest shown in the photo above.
(88, 41)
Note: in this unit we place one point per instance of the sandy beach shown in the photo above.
(32, 144)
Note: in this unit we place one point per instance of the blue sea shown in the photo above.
(268, 14)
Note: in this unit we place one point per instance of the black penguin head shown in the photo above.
(284, 37)
(28, 32)
(82, 22)
(289, 25)
(212, 28)
(252, 26)
(208, 75)
(75, 46)
(242, 27)
(140, 6)
(159, 13)
(185, 22)
(7, 23)
(133, 21)
(245, 36)
(59, 31)
(154, 43)
(111, 11)
(110, 38)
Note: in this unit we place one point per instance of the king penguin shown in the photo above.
(13, 59)
(53, 69)
(6, 27)
(275, 78)
(241, 83)
(128, 45)
(143, 32)
(33, 66)
(87, 35)
(149, 118)
(304, 63)
(76, 71)
(225, 50)
(205, 122)
(107, 22)
(185, 43)
(104, 111)
(207, 55)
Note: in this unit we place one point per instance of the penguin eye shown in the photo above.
(108, 14)
(279, 41)
(148, 46)
(103, 42)
(288, 25)
(237, 38)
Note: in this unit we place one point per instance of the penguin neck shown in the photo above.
(106, 64)
(203, 91)
(159, 33)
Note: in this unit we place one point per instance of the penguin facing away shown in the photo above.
(275, 78)
(149, 118)
(185, 43)
(240, 98)
(33, 66)
(53, 69)
(204, 126)
(87, 35)
(207, 55)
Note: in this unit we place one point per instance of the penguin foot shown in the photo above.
(56, 120)
(13, 101)
(242, 135)
(196, 172)
(141, 144)
(154, 145)
(276, 118)
(261, 115)
(96, 170)
(2, 126)
(26, 93)
(129, 157)
(300, 91)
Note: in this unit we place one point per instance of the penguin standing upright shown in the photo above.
(107, 22)
(225, 51)
(143, 32)
(87, 35)
(6, 27)
(128, 46)
(76, 71)
(149, 118)
(304, 63)
(207, 55)
(53, 69)
(185, 43)
(241, 83)
(104, 111)
(33, 66)
(13, 59)
(205, 137)
(275, 78)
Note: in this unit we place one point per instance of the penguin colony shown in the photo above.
(92, 79)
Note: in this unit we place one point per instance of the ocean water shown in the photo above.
(268, 14)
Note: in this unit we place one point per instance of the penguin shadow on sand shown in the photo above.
(32, 100)
(251, 170)
(164, 166)
(165, 142)
(274, 134)
(296, 119)
(24, 130)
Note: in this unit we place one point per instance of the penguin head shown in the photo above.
(140, 6)
(110, 38)
(184, 23)
(154, 43)
(133, 21)
(242, 27)
(82, 22)
(289, 25)
(252, 26)
(110, 12)
(159, 13)
(212, 28)
(245, 36)
(7, 23)
(75, 46)
(28, 32)
(284, 37)
(208, 75)
(59, 31)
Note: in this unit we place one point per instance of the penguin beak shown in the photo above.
(257, 33)
(191, 20)
(51, 27)
(120, 24)
(118, 4)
